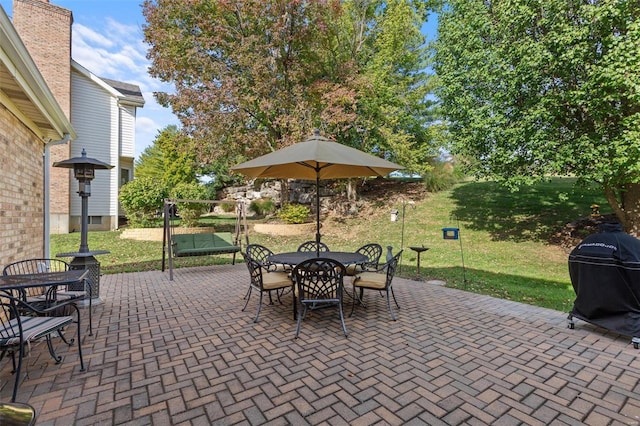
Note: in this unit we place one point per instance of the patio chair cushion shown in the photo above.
(274, 280)
(203, 244)
(371, 280)
(33, 328)
(353, 269)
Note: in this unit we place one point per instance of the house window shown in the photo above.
(95, 220)
(124, 176)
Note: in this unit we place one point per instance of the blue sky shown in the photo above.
(107, 40)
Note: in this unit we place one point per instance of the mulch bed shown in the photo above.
(574, 232)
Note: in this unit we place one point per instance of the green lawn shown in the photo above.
(504, 240)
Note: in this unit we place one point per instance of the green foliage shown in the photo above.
(141, 199)
(396, 115)
(532, 89)
(263, 206)
(228, 207)
(508, 238)
(219, 177)
(353, 69)
(190, 212)
(166, 159)
(294, 213)
(440, 177)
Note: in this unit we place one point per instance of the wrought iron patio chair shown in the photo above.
(373, 252)
(38, 297)
(261, 254)
(319, 282)
(263, 281)
(21, 324)
(313, 246)
(380, 280)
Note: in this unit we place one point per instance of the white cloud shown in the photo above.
(123, 31)
(149, 121)
(89, 36)
(111, 56)
(145, 124)
(118, 52)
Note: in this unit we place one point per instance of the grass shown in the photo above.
(504, 239)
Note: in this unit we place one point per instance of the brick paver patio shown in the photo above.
(182, 352)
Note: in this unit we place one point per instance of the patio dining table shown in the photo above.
(15, 285)
(295, 257)
(10, 283)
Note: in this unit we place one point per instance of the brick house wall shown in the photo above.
(21, 190)
(45, 30)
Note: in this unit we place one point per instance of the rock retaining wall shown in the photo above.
(300, 191)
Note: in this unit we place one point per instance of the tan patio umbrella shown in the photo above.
(316, 158)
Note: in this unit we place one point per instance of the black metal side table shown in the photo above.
(419, 250)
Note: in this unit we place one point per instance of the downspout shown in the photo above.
(46, 191)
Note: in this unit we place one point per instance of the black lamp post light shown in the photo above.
(84, 171)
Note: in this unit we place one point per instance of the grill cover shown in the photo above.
(605, 274)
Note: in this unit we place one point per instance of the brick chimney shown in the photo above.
(45, 30)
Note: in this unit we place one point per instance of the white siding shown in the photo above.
(95, 116)
(128, 132)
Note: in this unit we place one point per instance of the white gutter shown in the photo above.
(46, 190)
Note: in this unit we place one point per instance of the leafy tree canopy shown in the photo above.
(254, 76)
(165, 162)
(536, 88)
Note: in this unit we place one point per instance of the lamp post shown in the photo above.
(84, 171)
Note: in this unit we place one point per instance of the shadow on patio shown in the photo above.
(182, 352)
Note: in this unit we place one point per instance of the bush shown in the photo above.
(294, 213)
(228, 207)
(141, 199)
(190, 212)
(440, 177)
(263, 206)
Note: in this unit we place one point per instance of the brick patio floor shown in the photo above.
(182, 352)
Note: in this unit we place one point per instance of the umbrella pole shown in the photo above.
(317, 212)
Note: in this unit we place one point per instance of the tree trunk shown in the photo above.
(625, 203)
(351, 190)
(284, 192)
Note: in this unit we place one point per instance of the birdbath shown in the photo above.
(419, 250)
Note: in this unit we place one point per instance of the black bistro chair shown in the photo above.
(373, 252)
(38, 296)
(313, 246)
(261, 280)
(380, 280)
(261, 254)
(319, 283)
(21, 324)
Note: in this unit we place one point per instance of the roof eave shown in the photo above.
(15, 56)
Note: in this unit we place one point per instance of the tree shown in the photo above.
(395, 112)
(254, 76)
(246, 74)
(165, 162)
(536, 88)
(142, 199)
(190, 212)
